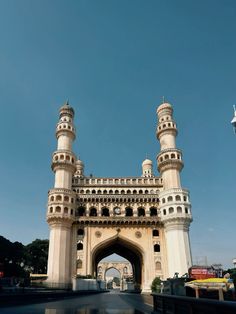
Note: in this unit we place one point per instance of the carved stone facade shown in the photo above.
(144, 219)
(124, 268)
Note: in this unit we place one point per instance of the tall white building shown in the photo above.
(144, 219)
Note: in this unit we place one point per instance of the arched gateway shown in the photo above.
(144, 219)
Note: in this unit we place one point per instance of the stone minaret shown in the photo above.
(174, 200)
(61, 202)
(147, 170)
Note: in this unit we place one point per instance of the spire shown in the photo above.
(233, 122)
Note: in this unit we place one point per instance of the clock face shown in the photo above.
(117, 210)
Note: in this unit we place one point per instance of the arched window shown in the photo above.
(140, 191)
(161, 159)
(105, 212)
(81, 211)
(128, 192)
(155, 233)
(67, 157)
(179, 210)
(87, 191)
(66, 198)
(79, 263)
(134, 191)
(171, 210)
(122, 192)
(185, 198)
(172, 156)
(93, 192)
(125, 270)
(93, 212)
(186, 210)
(128, 212)
(81, 191)
(51, 209)
(166, 156)
(110, 192)
(58, 209)
(66, 210)
(99, 192)
(80, 232)
(158, 266)
(164, 211)
(105, 192)
(58, 198)
(141, 211)
(153, 211)
(52, 198)
(157, 248)
(79, 246)
(178, 198)
(146, 192)
(170, 199)
(163, 201)
(116, 192)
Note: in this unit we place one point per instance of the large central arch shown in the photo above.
(123, 247)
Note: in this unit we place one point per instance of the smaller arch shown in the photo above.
(128, 212)
(93, 212)
(87, 192)
(155, 233)
(51, 209)
(169, 198)
(157, 248)
(146, 192)
(66, 198)
(134, 191)
(179, 210)
(81, 211)
(110, 192)
(185, 198)
(153, 211)
(116, 192)
(62, 157)
(161, 159)
(128, 192)
(177, 198)
(140, 191)
(158, 265)
(79, 264)
(80, 246)
(52, 198)
(105, 192)
(58, 209)
(93, 192)
(66, 210)
(67, 157)
(163, 201)
(172, 156)
(164, 211)
(58, 198)
(171, 210)
(71, 212)
(80, 232)
(105, 212)
(186, 210)
(141, 211)
(166, 156)
(122, 192)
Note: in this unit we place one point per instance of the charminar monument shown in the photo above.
(144, 219)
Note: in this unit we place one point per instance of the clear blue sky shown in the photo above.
(115, 60)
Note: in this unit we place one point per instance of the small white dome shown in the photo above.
(147, 162)
(165, 105)
(79, 163)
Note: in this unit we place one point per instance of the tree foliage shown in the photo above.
(18, 260)
(156, 284)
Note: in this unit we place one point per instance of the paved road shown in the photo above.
(104, 303)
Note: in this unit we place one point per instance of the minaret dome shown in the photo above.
(147, 170)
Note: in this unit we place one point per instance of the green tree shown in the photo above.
(156, 285)
(37, 256)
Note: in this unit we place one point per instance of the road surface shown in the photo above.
(105, 303)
